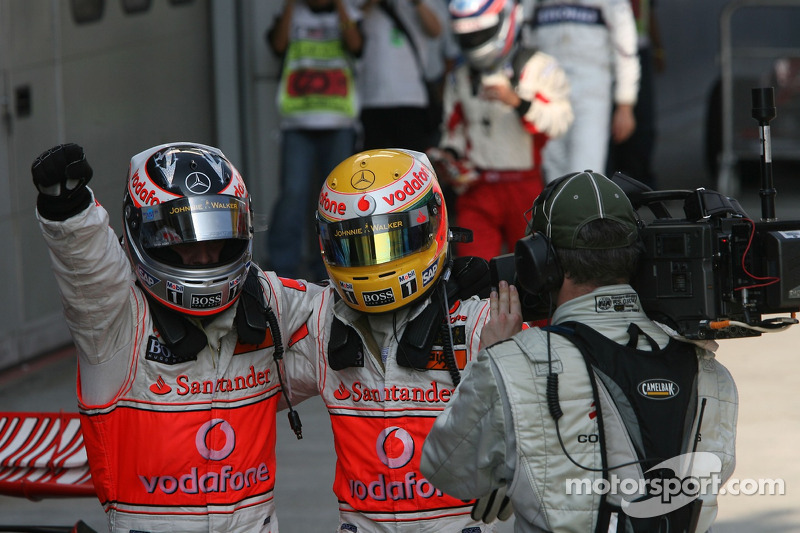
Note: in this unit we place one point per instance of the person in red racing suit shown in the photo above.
(503, 103)
(387, 342)
(176, 331)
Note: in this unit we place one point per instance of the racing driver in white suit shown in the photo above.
(503, 104)
(388, 340)
(595, 42)
(175, 330)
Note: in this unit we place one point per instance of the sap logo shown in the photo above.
(146, 276)
(429, 273)
(206, 301)
(382, 297)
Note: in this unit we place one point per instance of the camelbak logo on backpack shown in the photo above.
(658, 389)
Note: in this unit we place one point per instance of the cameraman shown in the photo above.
(630, 397)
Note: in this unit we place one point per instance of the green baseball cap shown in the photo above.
(572, 201)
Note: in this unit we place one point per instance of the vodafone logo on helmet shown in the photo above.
(408, 189)
(398, 461)
(365, 205)
(332, 205)
(147, 192)
(201, 440)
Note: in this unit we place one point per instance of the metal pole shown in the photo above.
(764, 111)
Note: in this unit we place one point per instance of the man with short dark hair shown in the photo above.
(602, 399)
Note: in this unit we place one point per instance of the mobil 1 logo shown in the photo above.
(349, 292)
(174, 292)
(381, 297)
(408, 283)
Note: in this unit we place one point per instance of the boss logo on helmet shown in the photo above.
(381, 297)
(206, 301)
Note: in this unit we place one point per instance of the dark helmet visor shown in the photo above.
(468, 41)
(195, 219)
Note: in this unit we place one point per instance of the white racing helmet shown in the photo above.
(183, 193)
(486, 30)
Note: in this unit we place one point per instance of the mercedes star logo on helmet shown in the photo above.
(198, 183)
(363, 179)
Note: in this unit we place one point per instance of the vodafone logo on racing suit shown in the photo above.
(202, 434)
(225, 480)
(410, 488)
(408, 447)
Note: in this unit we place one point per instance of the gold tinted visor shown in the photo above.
(378, 239)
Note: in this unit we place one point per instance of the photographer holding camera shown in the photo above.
(642, 421)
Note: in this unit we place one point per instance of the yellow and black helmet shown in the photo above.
(382, 227)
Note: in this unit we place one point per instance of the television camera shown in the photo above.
(712, 273)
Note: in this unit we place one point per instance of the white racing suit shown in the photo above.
(381, 412)
(595, 42)
(498, 432)
(491, 135)
(501, 145)
(174, 443)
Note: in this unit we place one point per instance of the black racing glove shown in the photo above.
(61, 174)
(469, 276)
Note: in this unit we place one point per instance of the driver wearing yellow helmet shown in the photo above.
(388, 339)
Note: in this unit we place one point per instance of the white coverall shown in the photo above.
(595, 42)
(171, 441)
(381, 412)
(497, 430)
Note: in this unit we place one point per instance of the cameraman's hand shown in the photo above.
(60, 174)
(492, 507)
(505, 315)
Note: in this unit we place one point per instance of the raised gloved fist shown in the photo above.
(61, 170)
(61, 174)
(494, 506)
